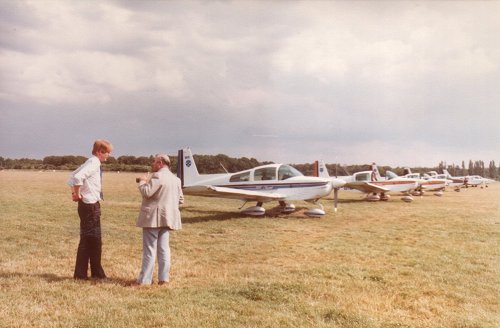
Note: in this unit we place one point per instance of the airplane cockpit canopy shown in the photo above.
(240, 177)
(287, 172)
(265, 173)
(390, 175)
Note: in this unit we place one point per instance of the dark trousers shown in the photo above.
(90, 246)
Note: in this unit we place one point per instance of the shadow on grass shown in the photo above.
(327, 201)
(208, 215)
(201, 215)
(52, 278)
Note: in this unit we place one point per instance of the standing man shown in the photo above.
(161, 197)
(85, 183)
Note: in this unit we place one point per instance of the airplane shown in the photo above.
(470, 180)
(427, 183)
(372, 184)
(455, 182)
(272, 182)
(476, 180)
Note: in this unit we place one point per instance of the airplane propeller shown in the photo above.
(335, 198)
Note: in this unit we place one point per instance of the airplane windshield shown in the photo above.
(287, 172)
(390, 175)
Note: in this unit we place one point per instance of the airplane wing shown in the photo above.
(231, 193)
(365, 187)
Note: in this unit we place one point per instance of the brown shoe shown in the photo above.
(162, 283)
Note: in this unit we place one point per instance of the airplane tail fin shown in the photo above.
(406, 171)
(320, 170)
(445, 171)
(186, 167)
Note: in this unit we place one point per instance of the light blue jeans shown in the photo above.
(155, 243)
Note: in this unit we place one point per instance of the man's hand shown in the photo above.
(75, 193)
(144, 178)
(76, 196)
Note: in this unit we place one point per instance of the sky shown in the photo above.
(399, 83)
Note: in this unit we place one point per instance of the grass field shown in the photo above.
(431, 263)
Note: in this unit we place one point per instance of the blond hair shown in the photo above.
(102, 146)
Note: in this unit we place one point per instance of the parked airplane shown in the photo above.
(424, 184)
(470, 180)
(372, 184)
(456, 182)
(476, 180)
(272, 182)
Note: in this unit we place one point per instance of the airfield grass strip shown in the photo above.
(430, 263)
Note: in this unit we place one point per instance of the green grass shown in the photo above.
(430, 263)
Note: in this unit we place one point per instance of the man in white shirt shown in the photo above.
(85, 183)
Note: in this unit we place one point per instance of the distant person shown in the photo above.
(161, 197)
(86, 189)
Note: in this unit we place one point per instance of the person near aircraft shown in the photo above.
(161, 196)
(373, 189)
(86, 189)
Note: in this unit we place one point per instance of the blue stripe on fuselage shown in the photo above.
(275, 186)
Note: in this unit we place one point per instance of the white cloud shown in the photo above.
(358, 80)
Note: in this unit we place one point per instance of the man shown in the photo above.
(85, 183)
(161, 196)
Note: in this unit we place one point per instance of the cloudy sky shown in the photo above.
(399, 83)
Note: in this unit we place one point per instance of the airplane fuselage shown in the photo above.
(293, 188)
(393, 185)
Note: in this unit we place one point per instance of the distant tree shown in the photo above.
(126, 160)
(111, 160)
(441, 166)
(68, 160)
(492, 170)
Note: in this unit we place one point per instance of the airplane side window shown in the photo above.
(363, 177)
(245, 176)
(266, 173)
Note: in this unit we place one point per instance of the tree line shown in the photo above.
(220, 163)
(206, 163)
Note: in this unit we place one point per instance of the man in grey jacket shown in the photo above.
(161, 197)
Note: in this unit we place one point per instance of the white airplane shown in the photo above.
(470, 180)
(455, 182)
(372, 184)
(476, 180)
(272, 182)
(431, 183)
